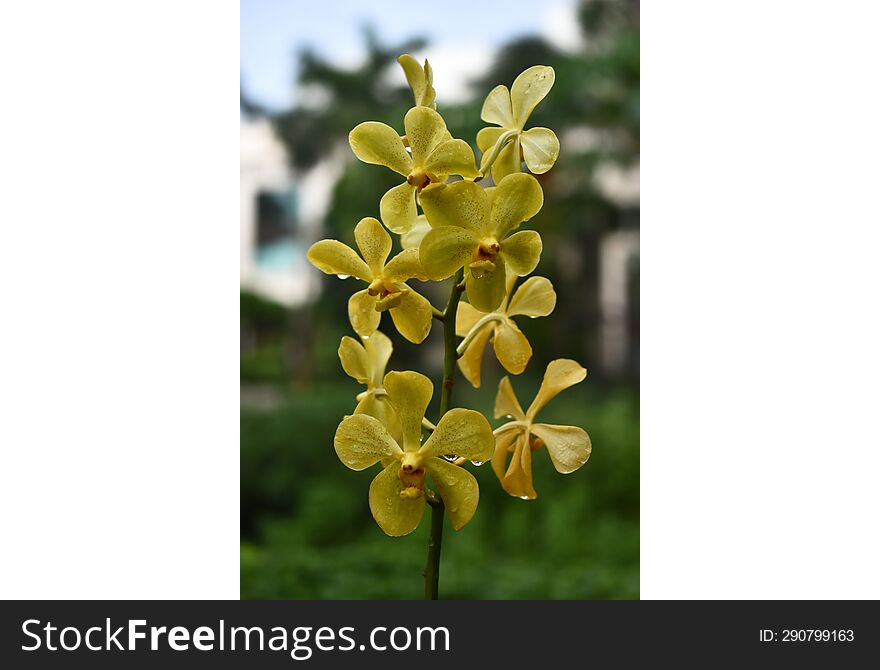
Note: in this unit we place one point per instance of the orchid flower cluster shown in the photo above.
(470, 234)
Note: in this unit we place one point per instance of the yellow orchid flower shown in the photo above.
(506, 146)
(413, 237)
(470, 226)
(387, 289)
(397, 493)
(433, 156)
(569, 446)
(365, 362)
(535, 297)
(420, 80)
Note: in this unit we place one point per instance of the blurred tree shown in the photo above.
(334, 99)
(250, 108)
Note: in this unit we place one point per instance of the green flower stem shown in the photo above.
(449, 354)
(435, 539)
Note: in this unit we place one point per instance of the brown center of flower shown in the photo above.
(389, 294)
(488, 250)
(420, 179)
(381, 287)
(412, 476)
(535, 443)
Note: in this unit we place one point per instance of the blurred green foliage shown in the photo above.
(307, 531)
(263, 324)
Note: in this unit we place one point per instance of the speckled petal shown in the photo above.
(457, 487)
(517, 481)
(379, 144)
(497, 107)
(380, 409)
(452, 157)
(398, 208)
(463, 204)
(405, 265)
(569, 446)
(512, 348)
(425, 129)
(462, 432)
(487, 292)
(506, 403)
(518, 198)
(445, 249)
(335, 258)
(560, 374)
(374, 243)
(395, 515)
(540, 148)
(522, 251)
(413, 317)
(354, 359)
(413, 237)
(535, 297)
(409, 393)
(362, 313)
(528, 89)
(362, 441)
(504, 441)
(471, 361)
(378, 347)
(419, 80)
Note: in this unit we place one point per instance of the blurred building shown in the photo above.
(619, 301)
(281, 215)
(268, 262)
(619, 274)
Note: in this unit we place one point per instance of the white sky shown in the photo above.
(462, 34)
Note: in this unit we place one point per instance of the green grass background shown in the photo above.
(307, 531)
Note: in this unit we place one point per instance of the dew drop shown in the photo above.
(508, 416)
(523, 497)
(478, 463)
(343, 276)
(450, 457)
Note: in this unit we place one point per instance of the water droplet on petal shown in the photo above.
(508, 416)
(523, 497)
(450, 457)
(478, 463)
(343, 276)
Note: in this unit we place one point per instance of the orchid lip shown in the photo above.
(489, 247)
